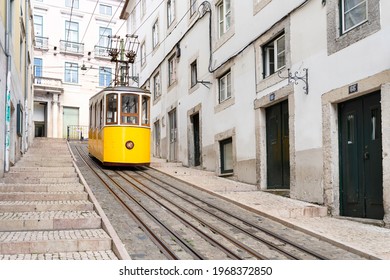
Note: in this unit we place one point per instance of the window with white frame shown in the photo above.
(274, 56)
(104, 34)
(105, 76)
(172, 70)
(170, 12)
(105, 10)
(72, 4)
(143, 54)
(38, 28)
(193, 7)
(133, 19)
(155, 34)
(353, 13)
(37, 67)
(194, 73)
(156, 86)
(71, 73)
(71, 31)
(225, 86)
(224, 16)
(143, 8)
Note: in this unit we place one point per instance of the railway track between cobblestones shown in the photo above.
(186, 223)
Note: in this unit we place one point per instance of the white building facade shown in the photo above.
(288, 95)
(71, 62)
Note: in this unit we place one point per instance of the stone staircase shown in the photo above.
(46, 213)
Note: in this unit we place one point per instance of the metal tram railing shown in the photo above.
(77, 132)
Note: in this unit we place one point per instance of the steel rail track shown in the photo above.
(201, 221)
(164, 248)
(240, 219)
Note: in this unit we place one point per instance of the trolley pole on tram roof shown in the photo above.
(123, 52)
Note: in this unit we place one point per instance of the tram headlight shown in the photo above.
(129, 145)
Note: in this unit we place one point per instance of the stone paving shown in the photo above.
(370, 239)
(47, 213)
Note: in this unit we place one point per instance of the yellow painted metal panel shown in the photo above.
(115, 138)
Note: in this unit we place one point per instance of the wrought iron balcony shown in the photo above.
(41, 43)
(101, 52)
(71, 47)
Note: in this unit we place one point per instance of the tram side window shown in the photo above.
(129, 109)
(112, 108)
(145, 110)
(95, 110)
(90, 116)
(101, 114)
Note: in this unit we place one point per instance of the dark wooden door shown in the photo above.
(361, 183)
(196, 129)
(278, 156)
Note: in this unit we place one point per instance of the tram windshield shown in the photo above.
(112, 108)
(129, 109)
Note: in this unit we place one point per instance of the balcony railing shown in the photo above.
(41, 43)
(71, 47)
(45, 83)
(101, 52)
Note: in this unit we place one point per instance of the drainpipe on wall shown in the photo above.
(26, 81)
(8, 86)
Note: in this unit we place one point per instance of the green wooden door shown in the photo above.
(278, 156)
(361, 186)
(71, 118)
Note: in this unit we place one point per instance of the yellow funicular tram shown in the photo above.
(119, 116)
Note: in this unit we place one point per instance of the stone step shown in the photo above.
(40, 174)
(87, 255)
(37, 158)
(10, 187)
(50, 242)
(36, 180)
(49, 220)
(44, 196)
(42, 163)
(41, 169)
(45, 205)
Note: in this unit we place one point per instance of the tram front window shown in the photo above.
(129, 109)
(112, 108)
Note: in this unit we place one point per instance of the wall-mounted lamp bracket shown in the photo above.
(205, 83)
(295, 78)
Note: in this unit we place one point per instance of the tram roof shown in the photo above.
(122, 89)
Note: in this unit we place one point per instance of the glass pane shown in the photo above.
(349, 4)
(112, 108)
(355, 16)
(129, 104)
(145, 110)
(130, 119)
(228, 85)
(222, 87)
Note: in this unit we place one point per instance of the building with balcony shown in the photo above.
(288, 95)
(16, 57)
(71, 61)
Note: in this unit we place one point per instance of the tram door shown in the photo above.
(278, 156)
(361, 183)
(172, 135)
